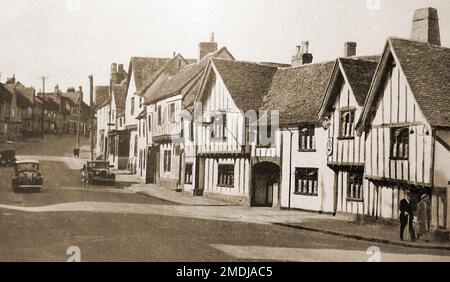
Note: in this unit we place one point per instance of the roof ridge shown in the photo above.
(244, 62)
(418, 42)
(308, 65)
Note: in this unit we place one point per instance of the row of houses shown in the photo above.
(26, 113)
(350, 136)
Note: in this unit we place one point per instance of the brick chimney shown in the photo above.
(303, 56)
(208, 47)
(350, 49)
(425, 27)
(114, 74)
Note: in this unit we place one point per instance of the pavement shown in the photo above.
(342, 226)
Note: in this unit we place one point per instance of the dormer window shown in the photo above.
(347, 124)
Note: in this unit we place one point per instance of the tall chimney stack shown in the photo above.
(303, 56)
(350, 49)
(114, 75)
(425, 27)
(208, 47)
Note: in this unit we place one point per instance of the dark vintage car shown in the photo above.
(7, 158)
(27, 177)
(99, 172)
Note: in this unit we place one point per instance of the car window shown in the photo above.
(27, 167)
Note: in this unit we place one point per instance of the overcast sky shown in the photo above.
(68, 41)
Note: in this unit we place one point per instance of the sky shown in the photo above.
(67, 40)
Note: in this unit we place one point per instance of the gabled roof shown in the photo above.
(101, 95)
(297, 93)
(160, 78)
(21, 94)
(144, 69)
(175, 85)
(120, 96)
(5, 94)
(427, 71)
(72, 96)
(246, 82)
(358, 72)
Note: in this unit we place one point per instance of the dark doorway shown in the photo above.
(124, 150)
(106, 151)
(266, 176)
(199, 177)
(152, 176)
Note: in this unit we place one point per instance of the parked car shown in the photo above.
(99, 172)
(8, 158)
(27, 177)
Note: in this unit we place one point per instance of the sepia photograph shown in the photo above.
(243, 132)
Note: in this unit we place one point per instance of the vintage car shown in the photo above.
(27, 177)
(7, 158)
(99, 172)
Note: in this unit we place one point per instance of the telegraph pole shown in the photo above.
(91, 108)
(80, 99)
(43, 105)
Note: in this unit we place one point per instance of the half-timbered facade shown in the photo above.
(5, 106)
(165, 101)
(227, 133)
(341, 110)
(406, 120)
(141, 73)
(158, 122)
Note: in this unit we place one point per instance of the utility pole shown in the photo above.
(43, 105)
(91, 108)
(80, 99)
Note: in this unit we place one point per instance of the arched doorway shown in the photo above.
(266, 176)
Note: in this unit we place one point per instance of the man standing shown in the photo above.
(406, 218)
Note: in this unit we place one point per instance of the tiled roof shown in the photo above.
(359, 73)
(144, 69)
(5, 94)
(297, 93)
(160, 78)
(101, 95)
(120, 96)
(21, 94)
(72, 96)
(175, 85)
(427, 70)
(246, 82)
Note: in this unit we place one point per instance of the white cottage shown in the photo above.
(140, 74)
(406, 121)
(341, 109)
(297, 93)
(233, 160)
(165, 100)
(160, 119)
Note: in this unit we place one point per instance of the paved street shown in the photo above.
(117, 224)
